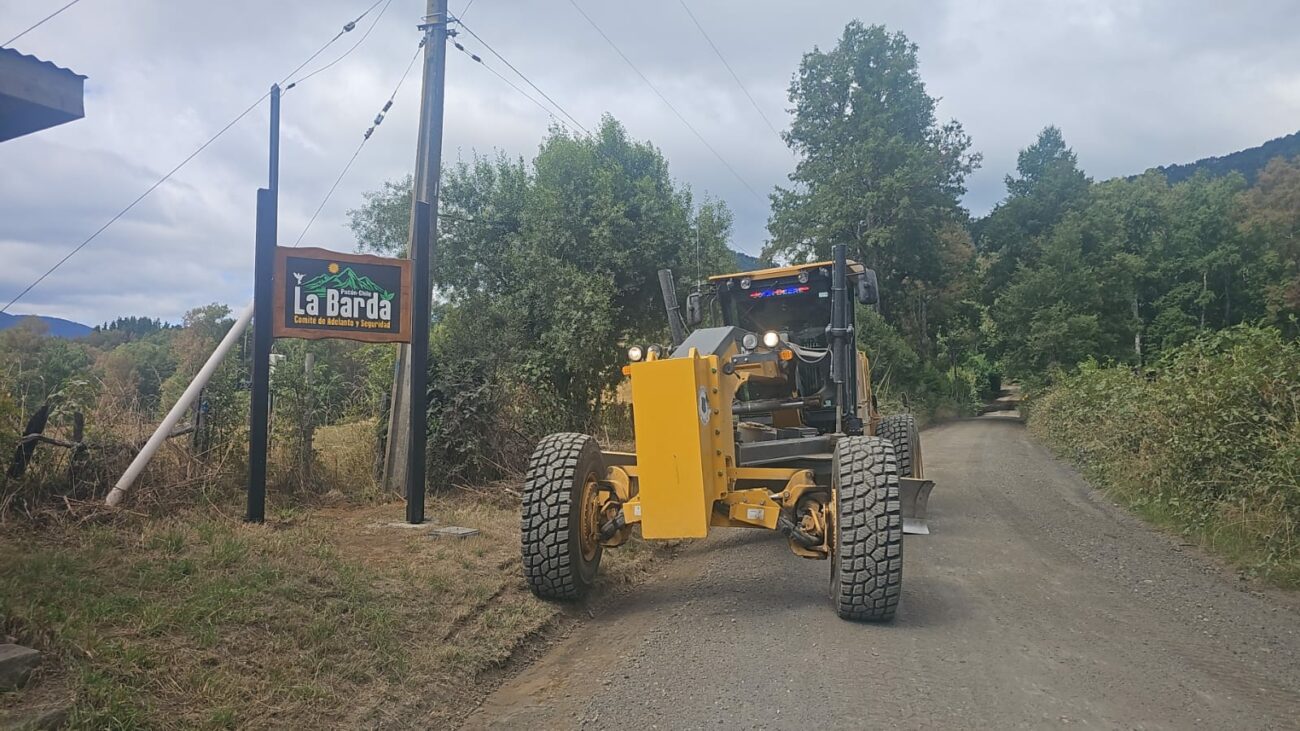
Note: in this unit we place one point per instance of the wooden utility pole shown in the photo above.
(428, 173)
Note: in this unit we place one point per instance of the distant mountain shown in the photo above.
(1247, 162)
(747, 263)
(56, 326)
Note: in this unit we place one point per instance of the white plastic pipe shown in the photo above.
(174, 416)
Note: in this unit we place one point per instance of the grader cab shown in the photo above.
(767, 422)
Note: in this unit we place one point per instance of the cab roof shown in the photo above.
(785, 271)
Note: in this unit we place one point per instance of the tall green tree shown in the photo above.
(1047, 185)
(1271, 219)
(876, 170)
(546, 270)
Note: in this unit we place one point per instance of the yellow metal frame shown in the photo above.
(683, 480)
(785, 271)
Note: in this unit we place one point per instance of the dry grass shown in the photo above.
(325, 618)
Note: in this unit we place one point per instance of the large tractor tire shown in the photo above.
(867, 559)
(900, 430)
(560, 522)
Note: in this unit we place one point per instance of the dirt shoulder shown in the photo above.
(320, 618)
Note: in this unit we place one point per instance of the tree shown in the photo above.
(1048, 185)
(36, 368)
(545, 271)
(382, 224)
(1271, 219)
(876, 170)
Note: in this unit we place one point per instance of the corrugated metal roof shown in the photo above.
(32, 59)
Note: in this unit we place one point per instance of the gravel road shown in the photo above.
(1035, 603)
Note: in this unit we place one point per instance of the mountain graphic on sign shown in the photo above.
(345, 279)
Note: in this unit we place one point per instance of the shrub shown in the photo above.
(1208, 441)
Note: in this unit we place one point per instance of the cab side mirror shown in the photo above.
(694, 309)
(868, 289)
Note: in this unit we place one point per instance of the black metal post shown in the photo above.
(422, 295)
(263, 264)
(675, 330)
(839, 331)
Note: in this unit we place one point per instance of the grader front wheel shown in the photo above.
(867, 558)
(560, 525)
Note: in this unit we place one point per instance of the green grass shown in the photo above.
(207, 623)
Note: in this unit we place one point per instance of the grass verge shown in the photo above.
(1206, 445)
(324, 618)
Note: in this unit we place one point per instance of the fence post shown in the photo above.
(79, 444)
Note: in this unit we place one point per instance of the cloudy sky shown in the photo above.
(1133, 84)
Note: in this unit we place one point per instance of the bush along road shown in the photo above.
(1035, 602)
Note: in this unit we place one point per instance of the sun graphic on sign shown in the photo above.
(334, 268)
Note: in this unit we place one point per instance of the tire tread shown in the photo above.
(870, 542)
(546, 513)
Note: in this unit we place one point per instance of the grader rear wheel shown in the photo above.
(560, 525)
(900, 430)
(867, 558)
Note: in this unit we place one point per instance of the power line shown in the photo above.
(346, 28)
(730, 70)
(379, 119)
(133, 203)
(346, 53)
(40, 22)
(664, 99)
(512, 84)
(525, 78)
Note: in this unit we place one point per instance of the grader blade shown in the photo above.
(913, 496)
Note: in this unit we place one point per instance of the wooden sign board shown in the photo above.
(325, 294)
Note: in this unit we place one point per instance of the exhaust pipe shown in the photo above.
(675, 328)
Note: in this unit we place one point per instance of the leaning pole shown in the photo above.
(173, 417)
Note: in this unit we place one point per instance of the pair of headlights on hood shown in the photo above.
(771, 339)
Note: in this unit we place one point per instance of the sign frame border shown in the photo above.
(278, 304)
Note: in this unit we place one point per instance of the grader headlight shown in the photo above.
(771, 339)
(635, 353)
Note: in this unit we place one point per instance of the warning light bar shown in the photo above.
(779, 291)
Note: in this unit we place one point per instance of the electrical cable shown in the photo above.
(133, 203)
(40, 22)
(731, 71)
(527, 80)
(512, 84)
(664, 99)
(808, 355)
(360, 40)
(346, 28)
(379, 119)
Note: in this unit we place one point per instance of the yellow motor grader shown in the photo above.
(767, 421)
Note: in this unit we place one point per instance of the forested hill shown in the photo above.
(747, 263)
(1248, 162)
(56, 326)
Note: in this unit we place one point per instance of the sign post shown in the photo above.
(419, 396)
(264, 251)
(317, 293)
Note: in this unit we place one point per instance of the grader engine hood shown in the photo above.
(681, 410)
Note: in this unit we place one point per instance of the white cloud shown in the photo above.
(1132, 84)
